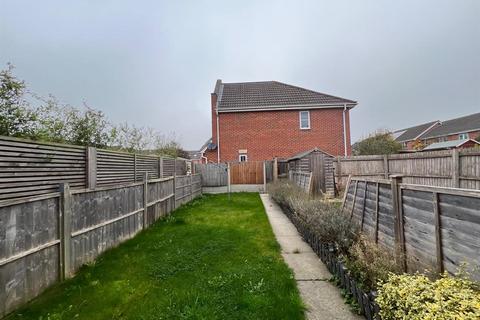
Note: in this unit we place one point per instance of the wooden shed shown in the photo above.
(320, 164)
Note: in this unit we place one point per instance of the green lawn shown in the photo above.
(214, 258)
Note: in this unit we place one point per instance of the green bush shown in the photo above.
(370, 263)
(417, 297)
(328, 221)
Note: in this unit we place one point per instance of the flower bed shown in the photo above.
(327, 252)
(368, 274)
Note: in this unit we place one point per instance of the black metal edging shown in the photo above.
(328, 254)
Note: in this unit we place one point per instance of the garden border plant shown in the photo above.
(366, 272)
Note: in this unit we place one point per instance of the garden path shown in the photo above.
(322, 298)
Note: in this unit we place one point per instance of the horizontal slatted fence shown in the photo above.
(435, 228)
(46, 238)
(30, 168)
(449, 168)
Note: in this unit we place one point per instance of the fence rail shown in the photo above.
(451, 168)
(29, 168)
(46, 238)
(434, 228)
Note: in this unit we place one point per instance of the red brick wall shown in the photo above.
(268, 134)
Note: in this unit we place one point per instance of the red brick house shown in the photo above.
(262, 120)
(458, 129)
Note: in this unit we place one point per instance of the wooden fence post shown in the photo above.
(174, 183)
(145, 199)
(364, 203)
(386, 168)
(377, 207)
(91, 167)
(229, 181)
(134, 167)
(275, 169)
(264, 177)
(455, 168)
(347, 187)
(191, 187)
(65, 228)
(438, 233)
(161, 167)
(397, 207)
(339, 172)
(354, 198)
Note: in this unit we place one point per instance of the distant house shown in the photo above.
(254, 121)
(198, 156)
(458, 129)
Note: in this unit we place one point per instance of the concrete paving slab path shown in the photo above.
(323, 299)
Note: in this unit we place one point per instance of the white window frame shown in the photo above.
(244, 155)
(463, 134)
(442, 139)
(308, 118)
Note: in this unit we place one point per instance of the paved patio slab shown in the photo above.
(323, 300)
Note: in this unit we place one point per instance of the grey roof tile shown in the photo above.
(454, 126)
(412, 133)
(271, 94)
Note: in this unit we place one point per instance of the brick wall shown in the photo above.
(268, 134)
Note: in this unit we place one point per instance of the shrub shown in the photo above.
(370, 263)
(328, 221)
(418, 297)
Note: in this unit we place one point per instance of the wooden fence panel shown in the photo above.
(250, 172)
(301, 179)
(29, 168)
(438, 228)
(115, 167)
(450, 168)
(44, 237)
(187, 188)
(213, 174)
(102, 219)
(29, 250)
(419, 230)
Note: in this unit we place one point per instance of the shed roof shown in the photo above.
(448, 144)
(305, 153)
(252, 96)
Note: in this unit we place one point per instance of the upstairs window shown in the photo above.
(242, 158)
(304, 120)
(463, 136)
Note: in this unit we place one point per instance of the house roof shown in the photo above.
(194, 155)
(251, 96)
(305, 153)
(448, 144)
(455, 126)
(415, 132)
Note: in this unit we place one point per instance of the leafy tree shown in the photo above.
(16, 118)
(56, 122)
(418, 145)
(380, 142)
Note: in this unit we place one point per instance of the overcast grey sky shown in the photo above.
(154, 63)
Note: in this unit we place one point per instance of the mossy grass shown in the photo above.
(213, 258)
